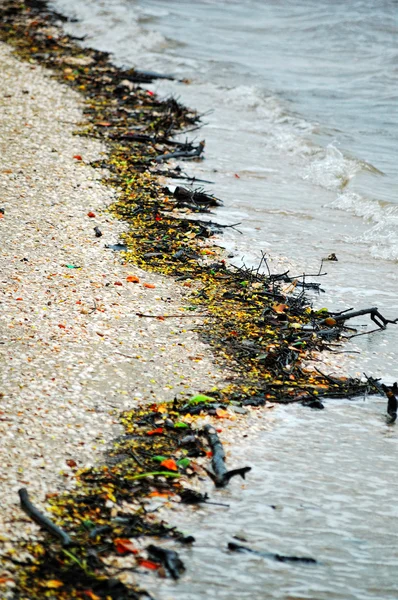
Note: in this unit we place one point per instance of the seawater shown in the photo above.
(301, 126)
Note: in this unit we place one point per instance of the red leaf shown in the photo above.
(148, 564)
(91, 214)
(118, 283)
(78, 157)
(159, 430)
(124, 545)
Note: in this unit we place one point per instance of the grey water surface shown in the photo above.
(302, 146)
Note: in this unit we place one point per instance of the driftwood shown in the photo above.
(168, 558)
(145, 76)
(39, 518)
(392, 394)
(375, 315)
(145, 139)
(195, 153)
(220, 475)
(278, 557)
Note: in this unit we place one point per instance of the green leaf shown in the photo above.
(181, 425)
(183, 462)
(159, 458)
(200, 398)
(72, 267)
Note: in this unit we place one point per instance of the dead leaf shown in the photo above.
(148, 564)
(169, 464)
(159, 430)
(132, 279)
(221, 413)
(53, 584)
(279, 308)
(124, 545)
(330, 321)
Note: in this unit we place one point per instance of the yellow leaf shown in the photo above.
(53, 583)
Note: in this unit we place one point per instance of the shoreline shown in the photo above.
(154, 221)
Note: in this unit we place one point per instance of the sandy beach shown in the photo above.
(74, 354)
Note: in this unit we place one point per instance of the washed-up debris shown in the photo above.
(169, 558)
(278, 557)
(220, 475)
(189, 496)
(98, 232)
(392, 406)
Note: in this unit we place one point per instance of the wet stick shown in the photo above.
(43, 521)
(220, 475)
(278, 557)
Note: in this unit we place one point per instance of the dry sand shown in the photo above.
(62, 329)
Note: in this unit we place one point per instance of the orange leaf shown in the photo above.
(132, 279)
(18, 298)
(5, 579)
(104, 123)
(221, 413)
(279, 308)
(78, 157)
(148, 564)
(330, 321)
(125, 545)
(149, 285)
(91, 214)
(61, 326)
(159, 495)
(169, 464)
(1, 215)
(155, 431)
